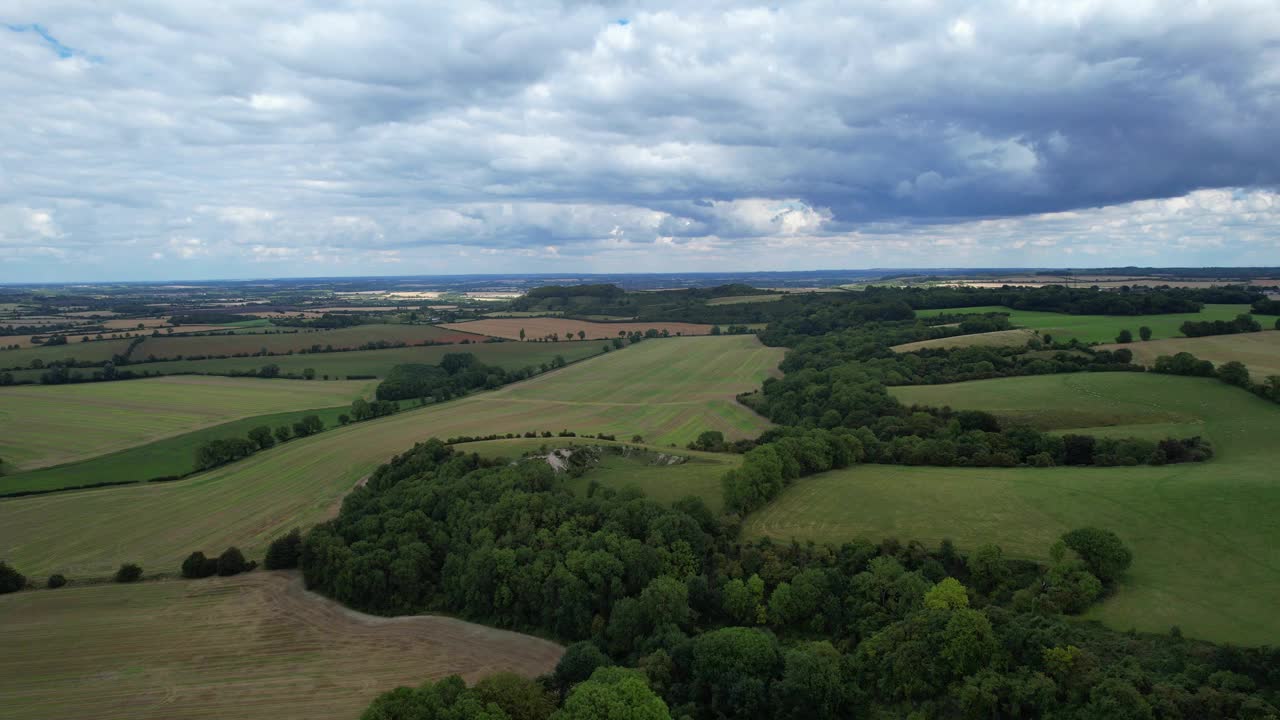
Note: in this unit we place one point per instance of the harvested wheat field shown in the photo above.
(544, 327)
(245, 647)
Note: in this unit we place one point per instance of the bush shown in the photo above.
(1101, 550)
(198, 566)
(56, 581)
(284, 551)
(232, 562)
(129, 572)
(10, 580)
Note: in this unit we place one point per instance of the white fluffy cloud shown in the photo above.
(157, 140)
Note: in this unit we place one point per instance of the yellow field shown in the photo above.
(540, 327)
(53, 424)
(246, 647)
(1259, 351)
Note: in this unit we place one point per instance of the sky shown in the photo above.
(151, 139)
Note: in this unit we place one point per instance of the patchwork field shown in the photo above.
(541, 327)
(666, 390)
(1104, 328)
(1000, 338)
(53, 424)
(246, 647)
(1204, 536)
(376, 363)
(282, 342)
(1259, 351)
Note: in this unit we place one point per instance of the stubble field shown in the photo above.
(540, 327)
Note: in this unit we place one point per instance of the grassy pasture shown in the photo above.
(1103, 328)
(1204, 536)
(666, 390)
(282, 342)
(247, 647)
(999, 338)
(699, 475)
(53, 424)
(1260, 351)
(94, 351)
(541, 327)
(509, 355)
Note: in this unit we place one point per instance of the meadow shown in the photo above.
(699, 475)
(1259, 351)
(285, 340)
(54, 424)
(1104, 328)
(999, 338)
(251, 647)
(1204, 536)
(541, 327)
(668, 391)
(740, 299)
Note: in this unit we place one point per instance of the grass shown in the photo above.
(509, 355)
(54, 424)
(170, 457)
(1105, 328)
(740, 299)
(540, 327)
(999, 338)
(666, 390)
(699, 475)
(252, 647)
(282, 342)
(95, 351)
(1204, 536)
(1259, 351)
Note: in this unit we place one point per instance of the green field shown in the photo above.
(53, 424)
(700, 475)
(96, 351)
(284, 341)
(1259, 351)
(508, 355)
(740, 299)
(1204, 536)
(170, 457)
(666, 390)
(999, 338)
(1104, 328)
(250, 647)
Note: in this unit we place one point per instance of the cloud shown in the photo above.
(634, 135)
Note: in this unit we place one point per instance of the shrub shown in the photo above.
(232, 562)
(10, 580)
(284, 551)
(56, 581)
(198, 566)
(129, 572)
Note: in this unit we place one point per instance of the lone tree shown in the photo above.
(1144, 332)
(1124, 337)
(129, 572)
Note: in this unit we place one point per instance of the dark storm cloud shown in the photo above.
(504, 135)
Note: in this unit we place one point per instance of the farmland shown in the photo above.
(666, 390)
(284, 342)
(50, 425)
(1260, 351)
(254, 646)
(541, 327)
(97, 351)
(999, 338)
(369, 363)
(1203, 535)
(740, 299)
(1103, 328)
